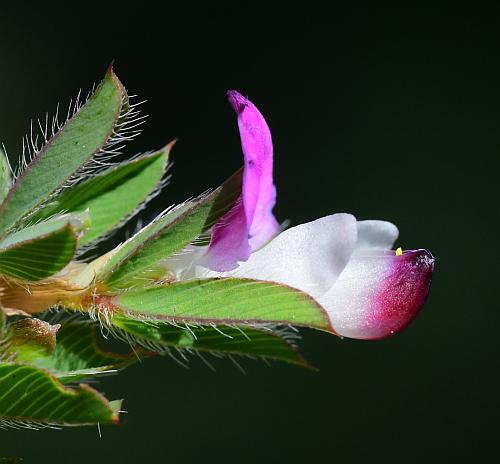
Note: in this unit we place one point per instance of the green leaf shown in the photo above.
(76, 355)
(168, 234)
(31, 395)
(225, 340)
(112, 196)
(38, 251)
(68, 150)
(5, 176)
(224, 301)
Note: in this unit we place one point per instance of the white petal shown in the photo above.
(376, 234)
(309, 257)
(378, 293)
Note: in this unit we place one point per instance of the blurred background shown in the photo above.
(387, 113)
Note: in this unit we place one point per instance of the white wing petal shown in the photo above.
(376, 234)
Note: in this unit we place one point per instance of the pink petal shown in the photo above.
(250, 224)
(378, 293)
(229, 243)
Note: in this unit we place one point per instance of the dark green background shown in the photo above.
(386, 113)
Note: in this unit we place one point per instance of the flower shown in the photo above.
(347, 266)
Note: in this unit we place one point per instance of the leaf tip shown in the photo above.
(109, 70)
(165, 150)
(111, 75)
(116, 408)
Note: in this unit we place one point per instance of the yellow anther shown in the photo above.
(399, 251)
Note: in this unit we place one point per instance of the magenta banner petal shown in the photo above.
(251, 223)
(229, 243)
(378, 294)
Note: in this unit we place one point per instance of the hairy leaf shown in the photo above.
(224, 340)
(220, 301)
(38, 251)
(168, 234)
(75, 356)
(68, 150)
(5, 176)
(31, 395)
(112, 196)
